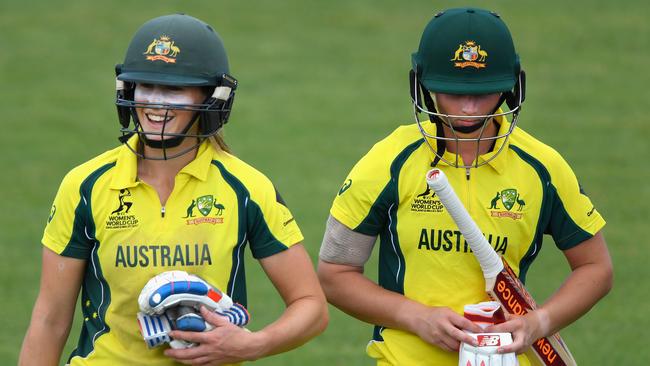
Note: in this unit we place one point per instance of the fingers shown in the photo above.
(449, 345)
(521, 334)
(461, 336)
(446, 329)
(213, 318)
(517, 346)
(186, 354)
(466, 324)
(194, 337)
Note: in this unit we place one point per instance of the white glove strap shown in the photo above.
(154, 329)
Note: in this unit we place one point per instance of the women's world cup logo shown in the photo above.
(162, 49)
(469, 54)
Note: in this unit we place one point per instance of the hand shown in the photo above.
(226, 343)
(525, 329)
(442, 327)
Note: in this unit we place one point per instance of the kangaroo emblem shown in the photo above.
(493, 203)
(190, 210)
(457, 54)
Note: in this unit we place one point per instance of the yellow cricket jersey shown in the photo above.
(104, 215)
(527, 191)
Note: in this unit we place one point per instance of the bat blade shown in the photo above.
(501, 283)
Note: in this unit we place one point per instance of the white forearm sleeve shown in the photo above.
(342, 245)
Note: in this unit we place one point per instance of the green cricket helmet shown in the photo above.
(465, 51)
(175, 50)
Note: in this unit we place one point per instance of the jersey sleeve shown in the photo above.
(363, 201)
(574, 217)
(65, 232)
(271, 228)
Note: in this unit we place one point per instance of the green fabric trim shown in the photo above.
(373, 223)
(566, 232)
(237, 280)
(266, 244)
(545, 212)
(252, 229)
(95, 291)
(79, 245)
(392, 265)
(553, 217)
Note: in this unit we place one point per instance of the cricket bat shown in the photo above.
(501, 283)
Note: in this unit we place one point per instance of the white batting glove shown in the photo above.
(485, 314)
(485, 354)
(172, 301)
(175, 288)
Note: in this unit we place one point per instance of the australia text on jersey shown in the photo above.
(161, 255)
(452, 240)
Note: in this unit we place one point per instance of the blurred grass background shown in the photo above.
(320, 82)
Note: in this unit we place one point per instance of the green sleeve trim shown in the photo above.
(237, 279)
(565, 231)
(263, 243)
(95, 292)
(553, 218)
(392, 265)
(80, 245)
(374, 223)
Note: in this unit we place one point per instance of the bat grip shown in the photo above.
(491, 263)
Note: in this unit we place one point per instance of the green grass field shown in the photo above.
(320, 82)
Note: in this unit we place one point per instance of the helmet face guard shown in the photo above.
(424, 103)
(174, 50)
(465, 51)
(210, 115)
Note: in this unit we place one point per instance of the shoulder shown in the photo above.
(78, 175)
(537, 153)
(368, 189)
(397, 141)
(242, 175)
(402, 141)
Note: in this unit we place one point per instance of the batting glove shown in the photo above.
(171, 301)
(485, 314)
(485, 354)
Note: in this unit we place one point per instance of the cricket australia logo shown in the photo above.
(470, 54)
(205, 205)
(121, 218)
(426, 202)
(509, 198)
(162, 49)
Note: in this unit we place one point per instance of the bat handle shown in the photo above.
(490, 262)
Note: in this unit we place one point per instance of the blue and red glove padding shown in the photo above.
(172, 301)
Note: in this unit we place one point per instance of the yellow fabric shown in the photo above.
(528, 189)
(104, 215)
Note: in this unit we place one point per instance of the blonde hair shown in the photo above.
(218, 143)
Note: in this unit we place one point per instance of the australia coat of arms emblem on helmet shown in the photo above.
(163, 49)
(469, 54)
